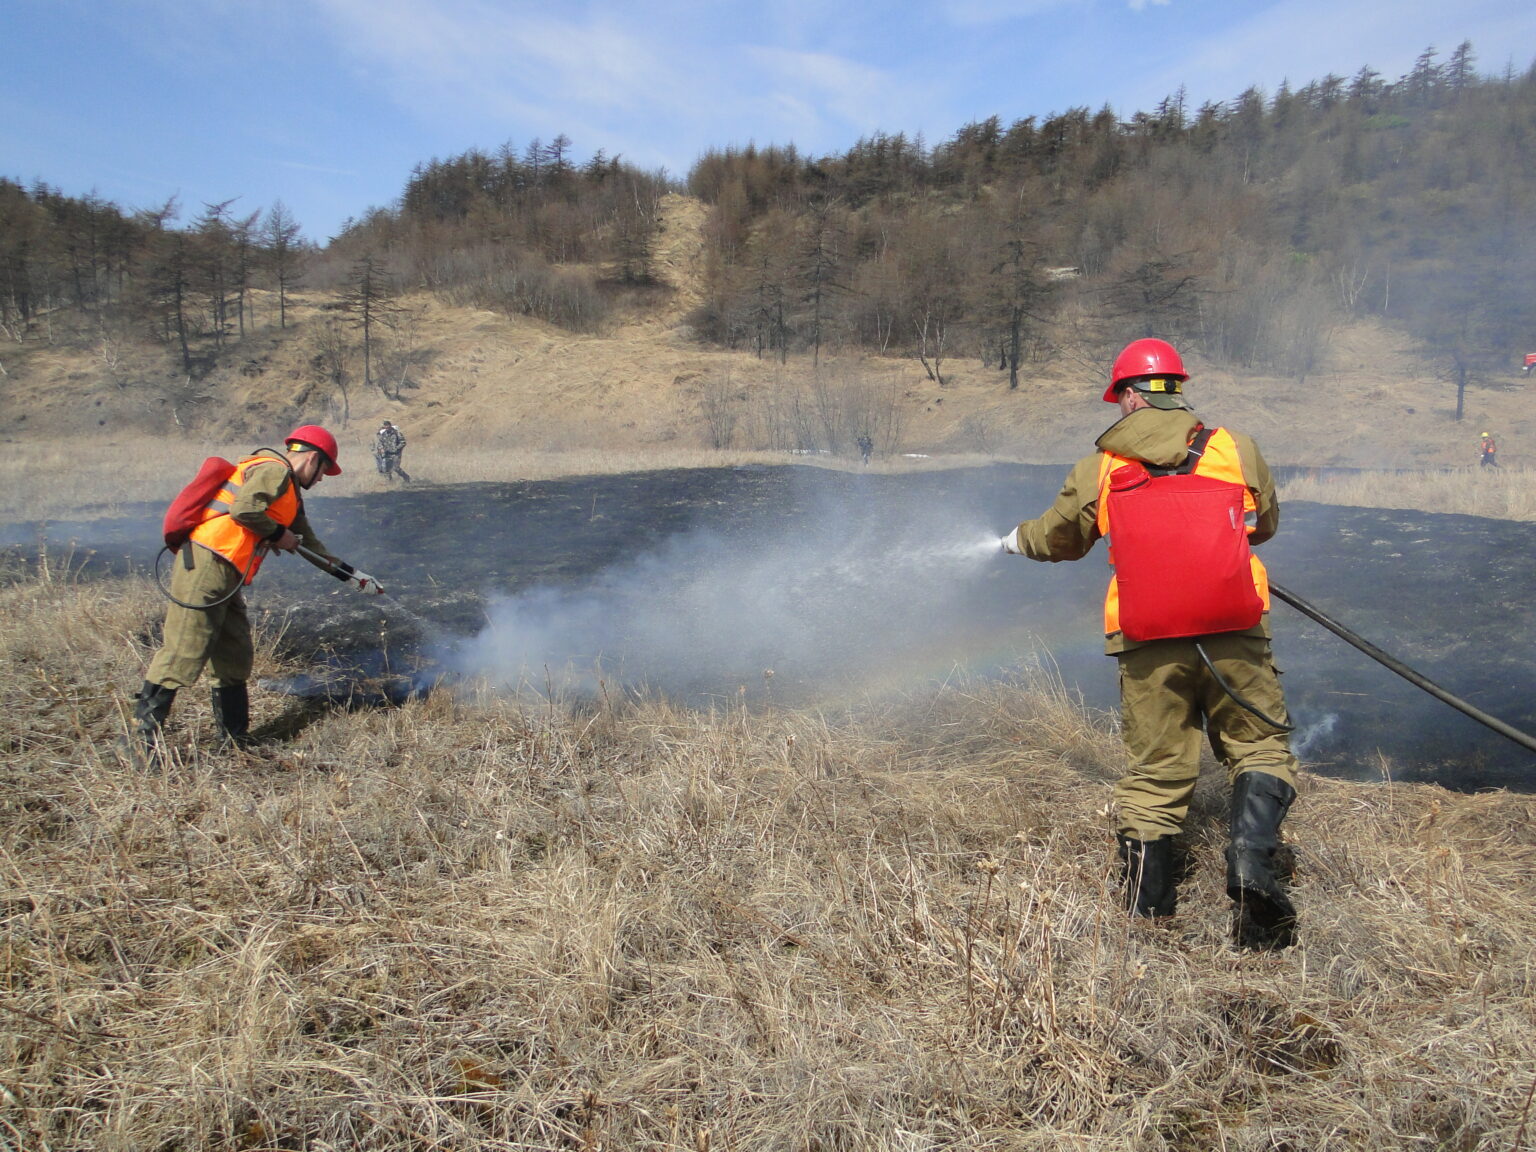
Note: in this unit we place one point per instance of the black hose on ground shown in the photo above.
(1388, 661)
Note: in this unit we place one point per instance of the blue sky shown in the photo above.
(327, 104)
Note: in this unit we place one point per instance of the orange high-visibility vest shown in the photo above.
(220, 533)
(1219, 462)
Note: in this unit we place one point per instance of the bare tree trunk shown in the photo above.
(933, 370)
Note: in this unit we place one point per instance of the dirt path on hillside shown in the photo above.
(680, 256)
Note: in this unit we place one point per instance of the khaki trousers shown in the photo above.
(1166, 696)
(196, 637)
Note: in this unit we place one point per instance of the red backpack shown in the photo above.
(186, 511)
(1180, 547)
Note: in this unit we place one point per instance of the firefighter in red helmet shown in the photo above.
(259, 508)
(1187, 616)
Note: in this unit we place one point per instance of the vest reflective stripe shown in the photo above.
(1221, 462)
(233, 541)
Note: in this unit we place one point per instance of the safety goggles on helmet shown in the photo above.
(327, 465)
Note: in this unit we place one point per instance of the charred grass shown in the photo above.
(477, 922)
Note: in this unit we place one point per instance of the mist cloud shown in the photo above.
(843, 594)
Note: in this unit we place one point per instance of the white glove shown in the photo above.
(364, 582)
(1010, 543)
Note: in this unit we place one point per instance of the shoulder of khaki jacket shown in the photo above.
(1084, 479)
(269, 474)
(1255, 467)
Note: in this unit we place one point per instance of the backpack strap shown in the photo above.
(1197, 444)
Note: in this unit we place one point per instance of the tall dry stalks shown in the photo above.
(477, 922)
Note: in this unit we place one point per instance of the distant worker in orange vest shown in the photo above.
(259, 508)
(1488, 452)
(1187, 615)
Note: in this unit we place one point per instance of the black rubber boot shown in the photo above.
(1264, 918)
(1147, 872)
(151, 709)
(232, 714)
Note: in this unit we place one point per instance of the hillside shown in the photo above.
(485, 381)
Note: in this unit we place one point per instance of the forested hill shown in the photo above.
(1247, 230)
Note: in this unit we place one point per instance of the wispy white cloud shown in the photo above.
(972, 13)
(515, 58)
(821, 86)
(650, 87)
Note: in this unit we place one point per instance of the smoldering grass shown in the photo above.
(483, 920)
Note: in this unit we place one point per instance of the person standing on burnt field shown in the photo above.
(1187, 616)
(388, 447)
(1487, 452)
(258, 508)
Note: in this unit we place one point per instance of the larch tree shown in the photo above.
(280, 237)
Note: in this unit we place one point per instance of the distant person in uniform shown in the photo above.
(388, 447)
(1187, 616)
(1488, 452)
(866, 446)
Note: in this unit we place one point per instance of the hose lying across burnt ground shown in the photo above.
(1386, 660)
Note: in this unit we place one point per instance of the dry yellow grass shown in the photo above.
(478, 922)
(489, 385)
(1502, 494)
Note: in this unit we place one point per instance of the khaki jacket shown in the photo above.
(1156, 436)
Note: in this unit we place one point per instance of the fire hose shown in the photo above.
(345, 571)
(1393, 664)
(339, 569)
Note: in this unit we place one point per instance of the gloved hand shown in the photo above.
(1010, 543)
(364, 582)
(367, 583)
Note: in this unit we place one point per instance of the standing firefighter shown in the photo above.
(388, 447)
(1487, 452)
(258, 508)
(1187, 617)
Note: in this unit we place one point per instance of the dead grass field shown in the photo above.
(477, 922)
(496, 396)
(1502, 494)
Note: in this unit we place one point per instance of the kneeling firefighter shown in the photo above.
(240, 512)
(1187, 615)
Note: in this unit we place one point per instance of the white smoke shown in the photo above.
(1304, 740)
(831, 596)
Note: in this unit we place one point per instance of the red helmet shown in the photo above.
(322, 441)
(1149, 357)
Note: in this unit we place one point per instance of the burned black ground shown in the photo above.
(1445, 593)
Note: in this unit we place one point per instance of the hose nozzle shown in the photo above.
(344, 571)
